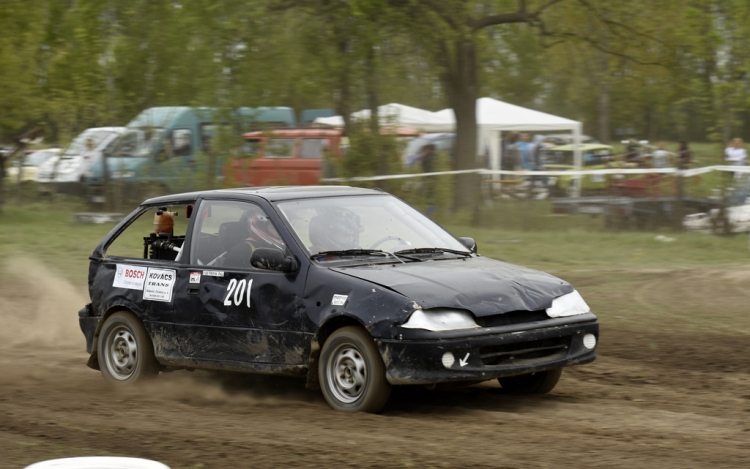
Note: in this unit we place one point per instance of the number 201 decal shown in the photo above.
(240, 289)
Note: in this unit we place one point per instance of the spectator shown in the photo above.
(509, 152)
(661, 156)
(427, 159)
(524, 150)
(736, 154)
(537, 162)
(683, 156)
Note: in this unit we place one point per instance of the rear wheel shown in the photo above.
(126, 354)
(352, 373)
(540, 382)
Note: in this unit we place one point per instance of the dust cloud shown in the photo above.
(37, 307)
(41, 342)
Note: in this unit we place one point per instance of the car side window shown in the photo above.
(182, 142)
(153, 235)
(227, 232)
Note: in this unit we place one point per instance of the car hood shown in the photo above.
(481, 285)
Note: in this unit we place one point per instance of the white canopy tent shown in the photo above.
(494, 117)
(398, 115)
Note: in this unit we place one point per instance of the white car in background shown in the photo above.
(29, 165)
(87, 148)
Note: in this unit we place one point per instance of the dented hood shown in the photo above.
(481, 285)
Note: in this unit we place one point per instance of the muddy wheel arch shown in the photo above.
(316, 344)
(93, 361)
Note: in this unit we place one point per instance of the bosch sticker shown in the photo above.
(129, 276)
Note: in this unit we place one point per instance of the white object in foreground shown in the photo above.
(98, 462)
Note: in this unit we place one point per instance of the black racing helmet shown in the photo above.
(335, 229)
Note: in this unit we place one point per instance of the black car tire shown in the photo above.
(352, 373)
(126, 354)
(540, 382)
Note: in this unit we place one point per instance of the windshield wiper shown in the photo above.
(432, 250)
(356, 252)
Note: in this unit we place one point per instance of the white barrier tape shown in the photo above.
(526, 173)
(399, 176)
(579, 173)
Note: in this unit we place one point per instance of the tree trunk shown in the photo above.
(371, 83)
(462, 85)
(604, 125)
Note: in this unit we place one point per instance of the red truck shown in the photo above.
(284, 157)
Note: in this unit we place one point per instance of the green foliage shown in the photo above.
(670, 69)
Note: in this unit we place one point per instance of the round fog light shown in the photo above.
(448, 360)
(589, 341)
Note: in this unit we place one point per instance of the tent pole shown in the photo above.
(577, 158)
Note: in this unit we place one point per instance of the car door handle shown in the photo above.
(193, 291)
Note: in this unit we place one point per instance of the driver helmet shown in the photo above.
(263, 230)
(336, 229)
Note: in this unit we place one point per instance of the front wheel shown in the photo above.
(352, 373)
(540, 382)
(126, 354)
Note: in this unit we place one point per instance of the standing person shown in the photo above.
(524, 150)
(683, 156)
(537, 162)
(661, 156)
(510, 152)
(735, 155)
(427, 159)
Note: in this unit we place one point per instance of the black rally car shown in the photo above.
(351, 288)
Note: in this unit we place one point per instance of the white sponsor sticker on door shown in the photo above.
(195, 277)
(129, 276)
(159, 283)
(213, 273)
(339, 300)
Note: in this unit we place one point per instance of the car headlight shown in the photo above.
(568, 305)
(438, 319)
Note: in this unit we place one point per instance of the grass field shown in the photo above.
(558, 243)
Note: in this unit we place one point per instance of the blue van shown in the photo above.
(161, 144)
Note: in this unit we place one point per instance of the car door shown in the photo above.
(135, 276)
(231, 311)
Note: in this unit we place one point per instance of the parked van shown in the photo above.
(161, 143)
(66, 169)
(284, 157)
(29, 165)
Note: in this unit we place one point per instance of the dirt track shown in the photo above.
(656, 397)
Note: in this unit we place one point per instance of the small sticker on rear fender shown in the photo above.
(339, 300)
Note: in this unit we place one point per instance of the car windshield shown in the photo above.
(89, 140)
(37, 158)
(138, 142)
(377, 222)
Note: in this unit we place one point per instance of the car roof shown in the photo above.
(272, 194)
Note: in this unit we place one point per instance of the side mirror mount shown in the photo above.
(470, 244)
(272, 259)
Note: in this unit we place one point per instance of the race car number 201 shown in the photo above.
(236, 290)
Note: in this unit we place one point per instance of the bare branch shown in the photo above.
(520, 16)
(502, 18)
(597, 45)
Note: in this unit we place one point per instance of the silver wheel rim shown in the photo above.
(347, 373)
(121, 353)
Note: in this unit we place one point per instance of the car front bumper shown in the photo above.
(489, 353)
